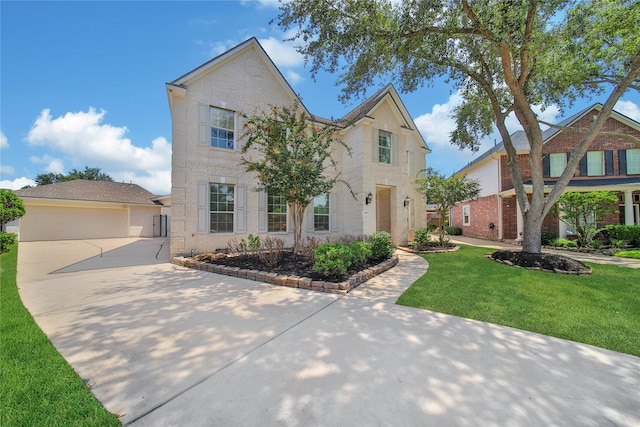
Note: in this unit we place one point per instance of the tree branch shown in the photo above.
(600, 133)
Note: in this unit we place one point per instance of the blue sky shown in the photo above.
(83, 84)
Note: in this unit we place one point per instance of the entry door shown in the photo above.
(383, 209)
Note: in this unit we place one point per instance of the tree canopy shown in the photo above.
(290, 157)
(444, 192)
(584, 211)
(11, 207)
(503, 57)
(93, 174)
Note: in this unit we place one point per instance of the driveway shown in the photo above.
(162, 345)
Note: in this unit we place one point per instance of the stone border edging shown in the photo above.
(341, 288)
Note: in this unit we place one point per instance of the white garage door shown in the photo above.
(58, 223)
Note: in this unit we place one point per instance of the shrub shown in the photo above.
(381, 246)
(6, 240)
(548, 237)
(307, 248)
(564, 243)
(254, 242)
(420, 238)
(271, 251)
(361, 251)
(618, 243)
(596, 244)
(332, 259)
(453, 230)
(629, 233)
(240, 248)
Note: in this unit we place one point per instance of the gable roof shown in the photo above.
(93, 191)
(350, 118)
(521, 143)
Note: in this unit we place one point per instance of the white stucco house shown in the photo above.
(214, 200)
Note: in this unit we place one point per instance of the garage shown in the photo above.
(84, 209)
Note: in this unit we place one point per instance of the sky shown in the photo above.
(82, 83)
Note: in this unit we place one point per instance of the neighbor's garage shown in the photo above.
(68, 223)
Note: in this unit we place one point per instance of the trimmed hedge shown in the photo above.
(453, 231)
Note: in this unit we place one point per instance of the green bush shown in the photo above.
(6, 240)
(381, 246)
(361, 251)
(453, 231)
(564, 243)
(548, 237)
(628, 233)
(332, 260)
(420, 238)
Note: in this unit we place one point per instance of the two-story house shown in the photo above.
(611, 164)
(214, 199)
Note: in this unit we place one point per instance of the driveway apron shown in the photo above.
(162, 345)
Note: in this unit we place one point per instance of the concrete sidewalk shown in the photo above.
(162, 345)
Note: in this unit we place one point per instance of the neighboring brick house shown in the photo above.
(611, 164)
(215, 200)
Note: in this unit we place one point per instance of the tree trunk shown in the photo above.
(297, 216)
(532, 239)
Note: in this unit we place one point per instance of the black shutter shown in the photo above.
(583, 165)
(546, 166)
(608, 162)
(622, 161)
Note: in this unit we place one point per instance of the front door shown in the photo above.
(383, 209)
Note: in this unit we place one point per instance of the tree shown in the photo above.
(444, 193)
(583, 212)
(292, 158)
(503, 57)
(92, 174)
(11, 208)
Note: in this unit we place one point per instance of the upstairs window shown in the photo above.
(222, 124)
(557, 164)
(633, 161)
(595, 163)
(384, 147)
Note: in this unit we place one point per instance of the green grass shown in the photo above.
(602, 309)
(629, 254)
(37, 386)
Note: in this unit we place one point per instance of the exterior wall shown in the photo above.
(483, 211)
(245, 83)
(141, 220)
(488, 175)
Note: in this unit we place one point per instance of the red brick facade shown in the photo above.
(486, 209)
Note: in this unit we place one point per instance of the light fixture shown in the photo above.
(406, 201)
(368, 199)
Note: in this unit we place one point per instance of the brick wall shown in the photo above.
(482, 211)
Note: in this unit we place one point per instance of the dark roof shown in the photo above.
(93, 191)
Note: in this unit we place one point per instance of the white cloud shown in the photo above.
(283, 54)
(4, 142)
(17, 183)
(83, 139)
(53, 165)
(293, 78)
(7, 170)
(629, 109)
(262, 3)
(218, 48)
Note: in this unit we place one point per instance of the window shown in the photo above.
(595, 163)
(633, 161)
(321, 212)
(276, 213)
(557, 163)
(221, 207)
(384, 147)
(466, 215)
(222, 124)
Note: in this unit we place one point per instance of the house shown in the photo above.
(215, 200)
(85, 209)
(611, 164)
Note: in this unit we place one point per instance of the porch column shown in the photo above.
(628, 207)
(519, 222)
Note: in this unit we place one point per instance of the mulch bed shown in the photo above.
(541, 261)
(290, 266)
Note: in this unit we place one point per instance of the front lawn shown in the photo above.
(37, 386)
(602, 309)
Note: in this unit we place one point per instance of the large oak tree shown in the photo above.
(503, 56)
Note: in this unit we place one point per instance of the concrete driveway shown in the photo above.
(162, 345)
